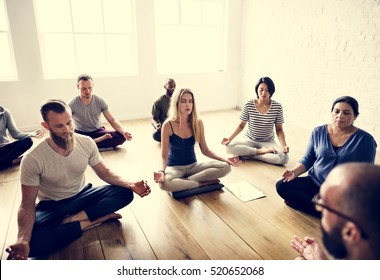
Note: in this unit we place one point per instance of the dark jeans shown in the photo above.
(49, 234)
(13, 150)
(298, 194)
(116, 140)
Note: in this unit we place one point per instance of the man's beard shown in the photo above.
(333, 242)
(169, 92)
(64, 143)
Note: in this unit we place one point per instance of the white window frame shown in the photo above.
(194, 47)
(107, 63)
(8, 71)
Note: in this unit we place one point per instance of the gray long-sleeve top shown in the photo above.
(7, 122)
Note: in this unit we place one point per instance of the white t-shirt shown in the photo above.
(59, 177)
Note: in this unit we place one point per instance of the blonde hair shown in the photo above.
(193, 117)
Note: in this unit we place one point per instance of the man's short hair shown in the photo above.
(84, 77)
(55, 105)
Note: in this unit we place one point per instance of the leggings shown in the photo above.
(248, 147)
(116, 140)
(298, 194)
(179, 178)
(49, 234)
(13, 150)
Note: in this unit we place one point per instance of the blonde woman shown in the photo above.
(180, 132)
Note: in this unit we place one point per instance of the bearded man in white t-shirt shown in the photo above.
(54, 173)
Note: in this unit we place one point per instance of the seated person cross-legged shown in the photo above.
(87, 109)
(330, 145)
(57, 203)
(160, 108)
(180, 170)
(262, 115)
(11, 151)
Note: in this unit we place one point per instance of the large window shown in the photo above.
(190, 35)
(87, 36)
(7, 60)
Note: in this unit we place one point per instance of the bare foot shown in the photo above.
(266, 150)
(82, 217)
(207, 183)
(87, 224)
(112, 216)
(103, 137)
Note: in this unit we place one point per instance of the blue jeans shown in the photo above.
(49, 234)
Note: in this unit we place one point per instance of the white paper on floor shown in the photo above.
(245, 191)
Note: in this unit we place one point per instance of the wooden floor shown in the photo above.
(214, 225)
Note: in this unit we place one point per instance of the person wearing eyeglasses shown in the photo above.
(160, 108)
(12, 151)
(180, 169)
(349, 204)
(262, 115)
(330, 145)
(87, 109)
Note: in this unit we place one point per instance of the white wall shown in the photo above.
(315, 51)
(129, 97)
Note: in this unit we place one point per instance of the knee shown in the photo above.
(283, 159)
(27, 142)
(280, 187)
(226, 168)
(230, 149)
(164, 186)
(126, 196)
(157, 136)
(119, 139)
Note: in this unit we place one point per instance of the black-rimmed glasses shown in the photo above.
(319, 206)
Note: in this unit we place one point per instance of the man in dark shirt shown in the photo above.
(160, 108)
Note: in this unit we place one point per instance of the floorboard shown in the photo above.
(215, 225)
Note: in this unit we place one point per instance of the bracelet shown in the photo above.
(162, 171)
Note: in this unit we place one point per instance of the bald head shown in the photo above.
(170, 86)
(354, 190)
(350, 175)
(354, 180)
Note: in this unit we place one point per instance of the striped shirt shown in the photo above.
(260, 126)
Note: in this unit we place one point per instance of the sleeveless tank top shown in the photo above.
(181, 151)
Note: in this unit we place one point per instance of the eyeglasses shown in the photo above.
(320, 206)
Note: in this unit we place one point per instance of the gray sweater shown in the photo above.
(7, 122)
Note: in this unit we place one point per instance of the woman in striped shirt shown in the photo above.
(262, 115)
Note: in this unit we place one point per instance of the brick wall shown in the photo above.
(315, 51)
